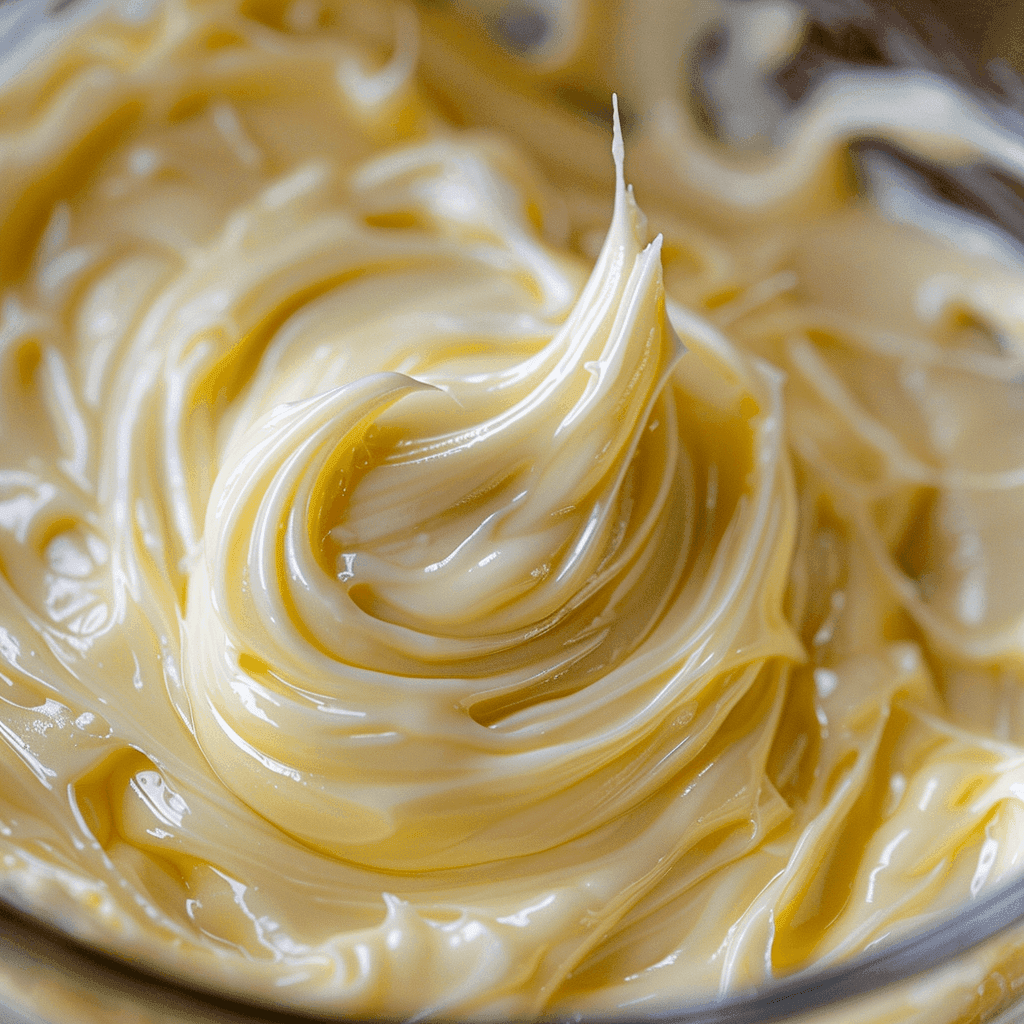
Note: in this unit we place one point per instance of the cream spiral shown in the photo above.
(411, 612)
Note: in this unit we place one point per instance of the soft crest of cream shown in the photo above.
(395, 629)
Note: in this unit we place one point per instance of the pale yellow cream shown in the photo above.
(399, 581)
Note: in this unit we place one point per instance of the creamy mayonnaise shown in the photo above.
(416, 566)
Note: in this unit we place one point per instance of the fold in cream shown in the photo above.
(390, 590)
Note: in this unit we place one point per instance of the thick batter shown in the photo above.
(414, 565)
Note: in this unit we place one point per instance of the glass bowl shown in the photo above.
(971, 964)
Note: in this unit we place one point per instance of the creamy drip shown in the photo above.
(400, 581)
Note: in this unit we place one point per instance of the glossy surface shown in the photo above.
(401, 580)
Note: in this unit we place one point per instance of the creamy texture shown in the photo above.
(401, 581)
